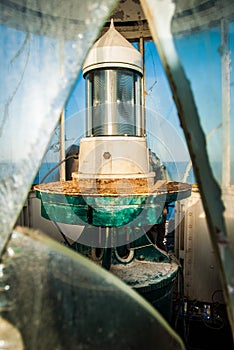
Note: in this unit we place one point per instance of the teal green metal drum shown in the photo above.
(148, 270)
(153, 281)
(107, 210)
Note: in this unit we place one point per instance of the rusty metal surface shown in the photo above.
(114, 187)
(107, 204)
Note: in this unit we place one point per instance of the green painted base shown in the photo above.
(108, 210)
(142, 266)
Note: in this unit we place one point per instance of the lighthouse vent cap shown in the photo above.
(113, 50)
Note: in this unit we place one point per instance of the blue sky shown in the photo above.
(200, 55)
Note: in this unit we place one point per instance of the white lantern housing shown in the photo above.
(115, 146)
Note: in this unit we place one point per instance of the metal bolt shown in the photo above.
(106, 155)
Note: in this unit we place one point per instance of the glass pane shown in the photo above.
(58, 299)
(126, 96)
(165, 136)
(42, 49)
(51, 158)
(98, 87)
(203, 69)
(206, 57)
(114, 100)
(195, 41)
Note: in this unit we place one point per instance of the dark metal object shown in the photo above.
(61, 300)
(106, 260)
(142, 266)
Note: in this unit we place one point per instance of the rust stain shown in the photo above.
(106, 187)
(119, 15)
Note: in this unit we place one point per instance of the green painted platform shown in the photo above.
(107, 210)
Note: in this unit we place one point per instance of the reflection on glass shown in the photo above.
(113, 98)
(206, 58)
(42, 51)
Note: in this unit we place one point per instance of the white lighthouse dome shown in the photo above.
(113, 50)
